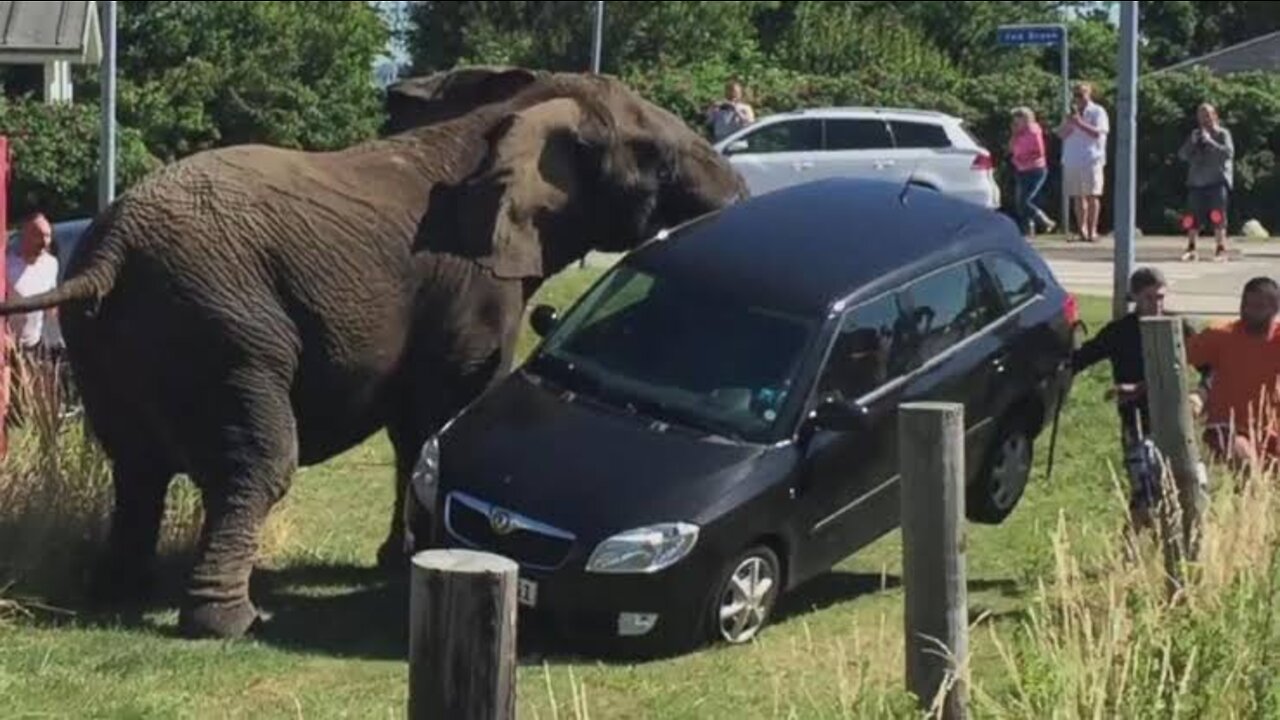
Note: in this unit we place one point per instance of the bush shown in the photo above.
(54, 151)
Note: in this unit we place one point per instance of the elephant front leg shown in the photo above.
(393, 555)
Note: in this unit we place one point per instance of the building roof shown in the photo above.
(1260, 53)
(805, 248)
(39, 32)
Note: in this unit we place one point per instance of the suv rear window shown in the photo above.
(850, 134)
(920, 135)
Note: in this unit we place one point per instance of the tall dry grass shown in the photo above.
(1113, 637)
(56, 498)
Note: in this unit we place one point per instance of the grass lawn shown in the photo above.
(337, 646)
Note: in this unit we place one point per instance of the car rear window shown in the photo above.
(920, 135)
(1016, 283)
(851, 134)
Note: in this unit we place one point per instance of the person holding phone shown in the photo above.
(1209, 152)
(730, 114)
(1084, 158)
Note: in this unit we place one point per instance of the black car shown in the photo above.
(714, 422)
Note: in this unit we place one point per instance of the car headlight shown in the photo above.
(426, 474)
(645, 550)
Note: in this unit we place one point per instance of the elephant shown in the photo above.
(249, 310)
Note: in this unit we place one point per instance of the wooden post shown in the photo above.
(1172, 430)
(931, 460)
(462, 636)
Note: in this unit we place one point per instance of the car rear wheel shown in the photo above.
(745, 596)
(1003, 481)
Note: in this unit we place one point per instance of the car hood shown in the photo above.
(583, 466)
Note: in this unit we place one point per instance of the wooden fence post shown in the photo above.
(1173, 431)
(931, 461)
(462, 636)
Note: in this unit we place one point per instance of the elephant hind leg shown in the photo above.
(128, 572)
(249, 472)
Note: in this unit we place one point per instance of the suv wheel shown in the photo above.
(745, 596)
(1004, 478)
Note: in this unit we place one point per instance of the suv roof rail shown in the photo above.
(837, 109)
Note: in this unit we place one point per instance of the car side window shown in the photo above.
(786, 136)
(944, 309)
(864, 356)
(920, 135)
(1016, 284)
(850, 134)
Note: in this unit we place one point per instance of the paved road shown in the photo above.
(1204, 288)
(1201, 288)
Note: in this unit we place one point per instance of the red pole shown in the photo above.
(4, 292)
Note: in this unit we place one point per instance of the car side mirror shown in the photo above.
(738, 146)
(543, 320)
(837, 416)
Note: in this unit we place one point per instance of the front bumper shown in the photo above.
(572, 602)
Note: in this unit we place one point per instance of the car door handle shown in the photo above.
(882, 164)
(805, 165)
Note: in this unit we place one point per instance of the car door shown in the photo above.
(922, 151)
(1023, 338)
(856, 148)
(776, 155)
(846, 497)
(956, 355)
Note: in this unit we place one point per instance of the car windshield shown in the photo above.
(680, 353)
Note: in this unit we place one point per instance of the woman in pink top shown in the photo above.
(1030, 161)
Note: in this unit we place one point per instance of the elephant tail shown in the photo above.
(80, 288)
(92, 284)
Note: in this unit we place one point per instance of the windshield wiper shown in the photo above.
(562, 372)
(667, 413)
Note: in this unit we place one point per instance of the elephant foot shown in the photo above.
(219, 621)
(392, 557)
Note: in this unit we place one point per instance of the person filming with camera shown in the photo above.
(730, 114)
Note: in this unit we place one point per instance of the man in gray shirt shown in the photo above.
(1210, 156)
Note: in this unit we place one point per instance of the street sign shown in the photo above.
(1030, 34)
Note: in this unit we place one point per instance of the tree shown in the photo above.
(294, 74)
(558, 35)
(1178, 30)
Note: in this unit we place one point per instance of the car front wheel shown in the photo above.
(745, 596)
(1000, 487)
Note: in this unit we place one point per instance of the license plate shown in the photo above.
(527, 593)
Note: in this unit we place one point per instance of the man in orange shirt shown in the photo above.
(1243, 357)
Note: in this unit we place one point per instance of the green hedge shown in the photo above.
(55, 158)
(1250, 106)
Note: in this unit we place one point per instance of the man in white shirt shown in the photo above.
(32, 270)
(1084, 158)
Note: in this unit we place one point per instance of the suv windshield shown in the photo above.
(679, 353)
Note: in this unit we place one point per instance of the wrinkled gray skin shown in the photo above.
(250, 310)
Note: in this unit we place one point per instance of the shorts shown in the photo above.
(1208, 206)
(1142, 465)
(1085, 180)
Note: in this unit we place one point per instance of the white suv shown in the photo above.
(928, 149)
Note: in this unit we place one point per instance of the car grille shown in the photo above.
(487, 527)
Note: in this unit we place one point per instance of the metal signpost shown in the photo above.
(108, 149)
(1126, 155)
(1046, 36)
(598, 38)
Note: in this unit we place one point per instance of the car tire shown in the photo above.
(744, 597)
(1005, 474)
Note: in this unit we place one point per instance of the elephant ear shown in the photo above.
(501, 215)
(442, 96)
